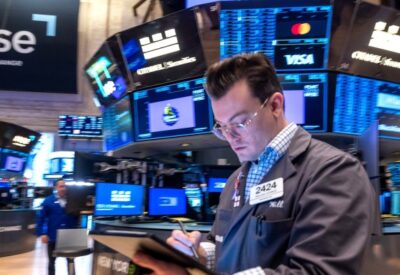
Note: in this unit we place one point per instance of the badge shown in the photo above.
(266, 191)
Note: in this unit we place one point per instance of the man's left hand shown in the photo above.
(159, 267)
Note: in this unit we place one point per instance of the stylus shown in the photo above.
(196, 256)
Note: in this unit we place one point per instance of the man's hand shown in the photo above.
(44, 238)
(183, 242)
(159, 267)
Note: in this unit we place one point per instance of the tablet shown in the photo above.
(129, 242)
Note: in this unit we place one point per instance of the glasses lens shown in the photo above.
(217, 131)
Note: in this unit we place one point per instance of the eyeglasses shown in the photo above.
(235, 129)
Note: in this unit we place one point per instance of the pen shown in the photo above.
(196, 256)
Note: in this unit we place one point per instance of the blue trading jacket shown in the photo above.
(53, 217)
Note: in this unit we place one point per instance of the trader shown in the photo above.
(53, 217)
(295, 206)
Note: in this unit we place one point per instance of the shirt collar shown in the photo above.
(280, 143)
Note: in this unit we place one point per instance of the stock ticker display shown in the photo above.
(80, 126)
(294, 37)
(359, 101)
(118, 129)
(306, 97)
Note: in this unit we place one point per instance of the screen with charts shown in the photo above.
(306, 100)
(119, 199)
(12, 161)
(360, 101)
(80, 126)
(106, 75)
(117, 125)
(167, 201)
(293, 34)
(164, 50)
(177, 109)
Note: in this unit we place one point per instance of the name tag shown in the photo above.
(266, 191)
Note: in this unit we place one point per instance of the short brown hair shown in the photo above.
(255, 69)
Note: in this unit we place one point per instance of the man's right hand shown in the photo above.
(44, 238)
(183, 242)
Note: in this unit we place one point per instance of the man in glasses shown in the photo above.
(295, 206)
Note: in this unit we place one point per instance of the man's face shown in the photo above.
(237, 106)
(61, 189)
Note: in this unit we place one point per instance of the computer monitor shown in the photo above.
(360, 101)
(80, 126)
(394, 169)
(293, 34)
(117, 127)
(119, 199)
(17, 138)
(12, 161)
(306, 100)
(178, 109)
(167, 202)
(79, 198)
(216, 184)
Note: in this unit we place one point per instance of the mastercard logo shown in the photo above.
(301, 28)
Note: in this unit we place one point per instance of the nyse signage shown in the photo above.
(38, 45)
(373, 49)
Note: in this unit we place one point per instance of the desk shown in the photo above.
(108, 261)
(17, 231)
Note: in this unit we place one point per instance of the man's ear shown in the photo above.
(277, 104)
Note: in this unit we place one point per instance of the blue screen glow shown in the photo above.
(360, 101)
(166, 201)
(119, 199)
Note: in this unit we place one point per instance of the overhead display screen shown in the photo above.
(12, 161)
(106, 75)
(117, 127)
(17, 138)
(306, 100)
(164, 50)
(80, 126)
(360, 101)
(119, 199)
(294, 36)
(172, 110)
(373, 48)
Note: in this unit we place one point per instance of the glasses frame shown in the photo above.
(234, 129)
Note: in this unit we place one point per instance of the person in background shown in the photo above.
(52, 217)
(296, 205)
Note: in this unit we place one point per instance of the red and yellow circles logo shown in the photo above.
(301, 28)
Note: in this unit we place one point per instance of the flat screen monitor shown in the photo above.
(12, 161)
(79, 198)
(306, 100)
(119, 199)
(359, 101)
(5, 196)
(394, 169)
(107, 74)
(80, 126)
(17, 138)
(372, 48)
(178, 109)
(167, 202)
(164, 50)
(293, 34)
(216, 184)
(117, 126)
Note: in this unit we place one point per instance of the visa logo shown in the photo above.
(299, 59)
